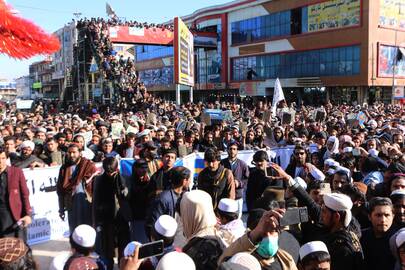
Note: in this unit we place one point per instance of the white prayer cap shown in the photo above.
(400, 239)
(331, 162)
(347, 149)
(145, 132)
(130, 248)
(339, 202)
(301, 182)
(164, 128)
(59, 261)
(247, 260)
(372, 123)
(398, 192)
(84, 235)
(311, 247)
(228, 205)
(166, 226)
(28, 144)
(332, 139)
(176, 260)
(41, 129)
(344, 170)
(373, 152)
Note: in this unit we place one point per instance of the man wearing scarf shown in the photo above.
(215, 179)
(74, 188)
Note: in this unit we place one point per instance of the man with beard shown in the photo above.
(27, 158)
(109, 205)
(299, 167)
(215, 179)
(74, 188)
(128, 149)
(85, 152)
(276, 137)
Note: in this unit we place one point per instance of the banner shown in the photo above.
(140, 35)
(183, 44)
(387, 60)
(334, 14)
(392, 13)
(46, 224)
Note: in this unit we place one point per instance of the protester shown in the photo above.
(314, 256)
(15, 254)
(15, 208)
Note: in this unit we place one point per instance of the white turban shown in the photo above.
(176, 260)
(339, 202)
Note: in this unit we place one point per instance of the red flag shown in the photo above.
(20, 38)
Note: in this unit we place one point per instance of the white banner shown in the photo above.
(46, 224)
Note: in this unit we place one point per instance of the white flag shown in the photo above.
(277, 96)
(110, 12)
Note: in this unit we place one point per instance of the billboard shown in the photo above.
(392, 13)
(334, 14)
(386, 61)
(140, 35)
(183, 44)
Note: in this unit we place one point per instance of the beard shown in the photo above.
(70, 161)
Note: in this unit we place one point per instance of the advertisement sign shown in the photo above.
(251, 89)
(399, 92)
(140, 35)
(386, 61)
(183, 54)
(334, 14)
(392, 13)
(37, 85)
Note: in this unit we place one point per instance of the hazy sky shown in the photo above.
(53, 14)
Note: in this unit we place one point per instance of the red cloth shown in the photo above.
(20, 38)
(18, 194)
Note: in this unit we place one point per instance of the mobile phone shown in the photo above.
(151, 249)
(356, 152)
(294, 216)
(146, 250)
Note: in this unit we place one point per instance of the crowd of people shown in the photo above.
(347, 173)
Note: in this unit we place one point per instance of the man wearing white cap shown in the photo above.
(82, 242)
(344, 246)
(231, 227)
(165, 229)
(314, 256)
(27, 158)
(398, 200)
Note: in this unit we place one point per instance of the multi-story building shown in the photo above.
(63, 60)
(8, 90)
(23, 85)
(343, 50)
(41, 77)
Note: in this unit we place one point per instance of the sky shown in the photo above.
(53, 14)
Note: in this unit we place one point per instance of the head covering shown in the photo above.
(361, 187)
(373, 152)
(311, 247)
(197, 214)
(301, 182)
(335, 147)
(339, 202)
(11, 250)
(347, 149)
(331, 162)
(176, 260)
(247, 260)
(28, 144)
(84, 235)
(372, 124)
(83, 263)
(398, 192)
(166, 226)
(400, 239)
(228, 205)
(145, 132)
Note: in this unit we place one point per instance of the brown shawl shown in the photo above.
(66, 184)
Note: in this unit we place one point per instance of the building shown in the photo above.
(341, 50)
(23, 85)
(41, 78)
(63, 60)
(8, 90)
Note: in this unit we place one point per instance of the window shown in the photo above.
(259, 28)
(147, 52)
(342, 61)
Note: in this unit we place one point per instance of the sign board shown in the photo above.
(37, 85)
(399, 92)
(140, 35)
(24, 104)
(247, 89)
(183, 44)
(334, 14)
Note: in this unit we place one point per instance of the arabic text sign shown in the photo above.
(183, 54)
(46, 224)
(333, 14)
